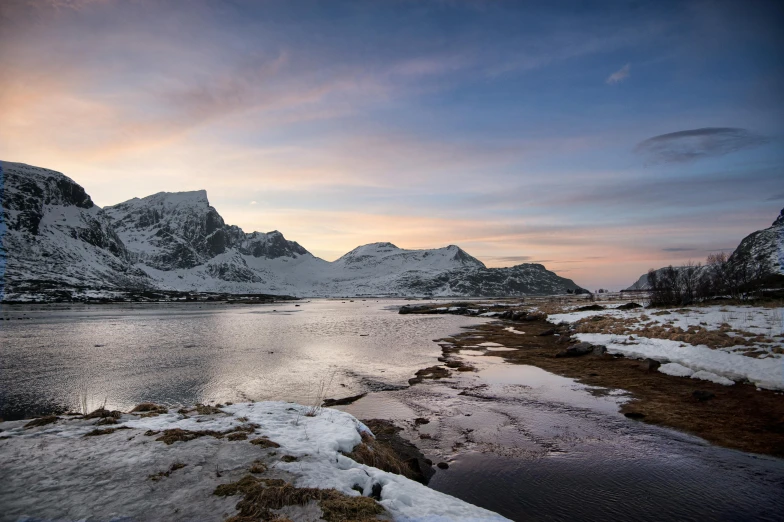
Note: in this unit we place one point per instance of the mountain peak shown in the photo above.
(779, 220)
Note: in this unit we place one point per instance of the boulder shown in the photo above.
(650, 365)
(576, 350)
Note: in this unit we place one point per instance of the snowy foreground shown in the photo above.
(726, 365)
(57, 472)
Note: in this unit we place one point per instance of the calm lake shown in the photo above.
(518, 440)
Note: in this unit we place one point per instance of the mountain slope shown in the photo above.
(58, 243)
(54, 240)
(763, 247)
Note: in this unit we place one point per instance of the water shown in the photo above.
(518, 440)
(183, 354)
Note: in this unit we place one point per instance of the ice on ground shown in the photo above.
(764, 373)
(490, 344)
(64, 461)
(675, 369)
(512, 330)
(712, 377)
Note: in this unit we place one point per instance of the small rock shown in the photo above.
(547, 332)
(634, 415)
(599, 349)
(443, 465)
(576, 350)
(650, 365)
(563, 339)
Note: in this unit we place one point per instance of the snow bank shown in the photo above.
(317, 442)
(764, 373)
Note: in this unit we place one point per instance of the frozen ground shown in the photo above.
(58, 472)
(752, 340)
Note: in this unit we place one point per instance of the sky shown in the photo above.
(600, 139)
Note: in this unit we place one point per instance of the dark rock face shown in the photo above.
(55, 237)
(180, 230)
(271, 245)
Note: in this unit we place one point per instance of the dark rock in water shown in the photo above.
(421, 420)
(341, 402)
(629, 306)
(551, 331)
(650, 365)
(415, 309)
(703, 395)
(634, 415)
(590, 308)
(443, 465)
(576, 350)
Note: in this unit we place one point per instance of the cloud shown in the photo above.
(252, 202)
(678, 249)
(619, 75)
(777, 197)
(512, 259)
(689, 145)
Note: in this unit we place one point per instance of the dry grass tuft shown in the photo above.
(206, 409)
(149, 409)
(372, 453)
(261, 496)
(103, 413)
(258, 467)
(105, 431)
(179, 435)
(41, 421)
(264, 442)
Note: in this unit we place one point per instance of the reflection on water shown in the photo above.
(181, 354)
(532, 445)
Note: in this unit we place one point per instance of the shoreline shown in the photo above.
(739, 417)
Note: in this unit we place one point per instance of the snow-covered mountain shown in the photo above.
(764, 247)
(56, 243)
(763, 250)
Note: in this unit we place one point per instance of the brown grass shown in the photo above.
(695, 334)
(179, 435)
(103, 413)
(373, 453)
(41, 421)
(149, 409)
(106, 431)
(261, 496)
(206, 409)
(264, 442)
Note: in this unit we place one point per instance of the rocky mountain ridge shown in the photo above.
(57, 244)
